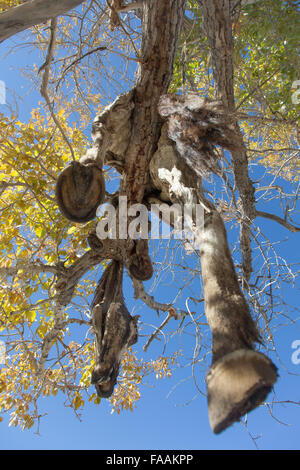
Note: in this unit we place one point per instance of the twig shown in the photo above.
(260, 85)
(159, 329)
(100, 48)
(49, 338)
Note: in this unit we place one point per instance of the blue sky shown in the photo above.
(171, 413)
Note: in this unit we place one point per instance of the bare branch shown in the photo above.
(44, 86)
(131, 6)
(100, 48)
(140, 293)
(283, 222)
(36, 267)
(171, 314)
(49, 338)
(31, 13)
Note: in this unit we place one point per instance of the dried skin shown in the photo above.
(197, 126)
(140, 265)
(226, 308)
(80, 189)
(115, 329)
(94, 242)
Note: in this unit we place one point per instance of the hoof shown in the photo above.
(80, 189)
(237, 384)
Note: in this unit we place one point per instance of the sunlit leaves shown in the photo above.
(32, 156)
(266, 64)
(17, 385)
(7, 4)
(265, 36)
(134, 371)
(32, 231)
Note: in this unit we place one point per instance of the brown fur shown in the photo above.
(80, 189)
(115, 329)
(140, 265)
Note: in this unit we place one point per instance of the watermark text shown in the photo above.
(296, 354)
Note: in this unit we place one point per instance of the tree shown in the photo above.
(181, 124)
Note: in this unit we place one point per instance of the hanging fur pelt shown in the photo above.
(197, 125)
(115, 329)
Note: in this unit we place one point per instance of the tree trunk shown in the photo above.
(161, 29)
(218, 25)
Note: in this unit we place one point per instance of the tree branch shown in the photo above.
(140, 293)
(159, 329)
(275, 218)
(69, 277)
(45, 79)
(28, 267)
(31, 13)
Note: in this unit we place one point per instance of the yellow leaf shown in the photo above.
(77, 402)
(40, 231)
(72, 230)
(31, 316)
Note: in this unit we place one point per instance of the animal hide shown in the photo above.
(115, 329)
(197, 126)
(80, 189)
(140, 265)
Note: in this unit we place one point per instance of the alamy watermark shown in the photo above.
(296, 354)
(2, 92)
(133, 222)
(2, 352)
